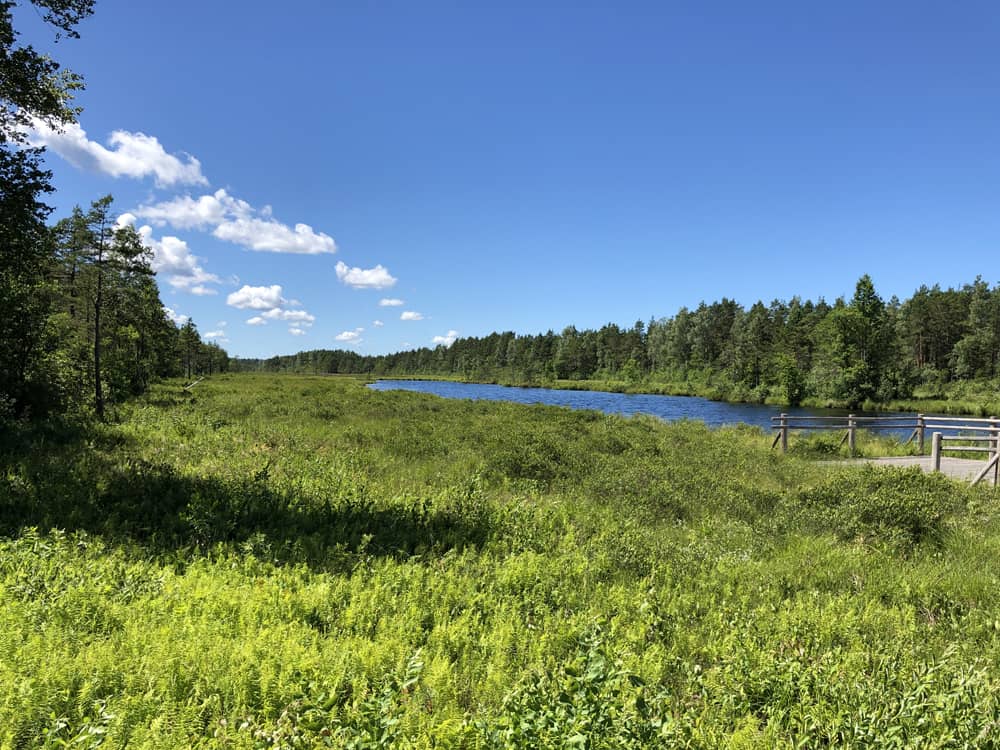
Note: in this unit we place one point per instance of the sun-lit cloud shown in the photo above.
(234, 220)
(272, 236)
(185, 212)
(272, 306)
(175, 317)
(365, 278)
(219, 337)
(350, 337)
(377, 323)
(299, 316)
(447, 340)
(135, 155)
(390, 302)
(173, 259)
(256, 298)
(411, 315)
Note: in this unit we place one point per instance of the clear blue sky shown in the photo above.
(526, 166)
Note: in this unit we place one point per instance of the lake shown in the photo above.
(669, 408)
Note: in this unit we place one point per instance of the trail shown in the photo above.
(956, 468)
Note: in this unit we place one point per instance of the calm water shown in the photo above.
(669, 408)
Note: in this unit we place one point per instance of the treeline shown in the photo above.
(81, 321)
(851, 351)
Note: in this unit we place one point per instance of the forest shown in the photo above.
(81, 319)
(857, 350)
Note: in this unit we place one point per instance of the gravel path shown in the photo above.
(956, 468)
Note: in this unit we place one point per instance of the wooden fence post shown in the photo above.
(784, 432)
(936, 451)
(994, 449)
(920, 434)
(850, 435)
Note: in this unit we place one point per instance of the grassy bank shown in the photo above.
(302, 562)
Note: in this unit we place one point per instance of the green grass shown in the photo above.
(302, 562)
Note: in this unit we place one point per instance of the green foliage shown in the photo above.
(32, 85)
(896, 506)
(25, 290)
(79, 311)
(588, 702)
(302, 562)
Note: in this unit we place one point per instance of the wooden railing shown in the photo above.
(969, 434)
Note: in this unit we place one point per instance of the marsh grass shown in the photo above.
(302, 562)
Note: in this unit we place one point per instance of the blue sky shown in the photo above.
(526, 166)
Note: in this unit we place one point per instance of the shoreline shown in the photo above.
(917, 405)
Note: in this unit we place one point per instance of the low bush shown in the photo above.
(898, 506)
(301, 562)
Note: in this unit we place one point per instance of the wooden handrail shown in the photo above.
(984, 420)
(992, 450)
(810, 418)
(985, 431)
(894, 426)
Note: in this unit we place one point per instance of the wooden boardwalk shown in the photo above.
(956, 468)
(953, 434)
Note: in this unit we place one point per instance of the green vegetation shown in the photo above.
(302, 562)
(81, 320)
(937, 351)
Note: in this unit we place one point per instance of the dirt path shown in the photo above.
(956, 468)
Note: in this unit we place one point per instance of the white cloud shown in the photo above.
(448, 339)
(390, 302)
(350, 337)
(185, 212)
(134, 155)
(218, 336)
(269, 301)
(300, 317)
(274, 237)
(256, 298)
(378, 323)
(173, 259)
(365, 278)
(410, 315)
(175, 318)
(236, 221)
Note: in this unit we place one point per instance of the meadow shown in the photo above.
(291, 561)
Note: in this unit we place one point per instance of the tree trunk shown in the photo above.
(98, 392)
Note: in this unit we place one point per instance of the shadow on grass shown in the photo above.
(76, 484)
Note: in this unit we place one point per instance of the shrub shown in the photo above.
(898, 506)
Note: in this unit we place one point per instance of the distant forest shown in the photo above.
(852, 351)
